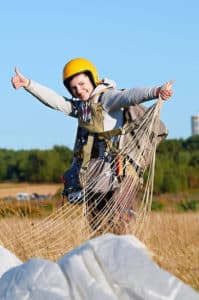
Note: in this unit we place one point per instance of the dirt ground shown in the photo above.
(12, 189)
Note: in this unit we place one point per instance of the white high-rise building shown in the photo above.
(195, 124)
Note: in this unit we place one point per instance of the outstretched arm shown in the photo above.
(116, 99)
(44, 94)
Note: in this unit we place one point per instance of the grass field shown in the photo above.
(172, 237)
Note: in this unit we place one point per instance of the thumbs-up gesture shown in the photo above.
(19, 80)
(165, 91)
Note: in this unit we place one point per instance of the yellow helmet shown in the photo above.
(79, 65)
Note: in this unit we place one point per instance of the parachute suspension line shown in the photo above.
(84, 209)
(88, 215)
(146, 130)
(145, 208)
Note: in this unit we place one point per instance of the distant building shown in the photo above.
(195, 124)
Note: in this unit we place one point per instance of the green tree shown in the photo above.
(170, 183)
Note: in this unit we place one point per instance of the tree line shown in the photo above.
(176, 170)
(34, 165)
(177, 165)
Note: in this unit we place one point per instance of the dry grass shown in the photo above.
(172, 237)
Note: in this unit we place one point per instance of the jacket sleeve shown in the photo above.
(116, 99)
(49, 97)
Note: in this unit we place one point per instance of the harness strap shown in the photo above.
(110, 133)
(87, 149)
(95, 127)
(92, 127)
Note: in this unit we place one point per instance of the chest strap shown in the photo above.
(87, 149)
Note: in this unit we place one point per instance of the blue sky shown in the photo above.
(136, 43)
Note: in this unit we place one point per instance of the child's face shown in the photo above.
(81, 87)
